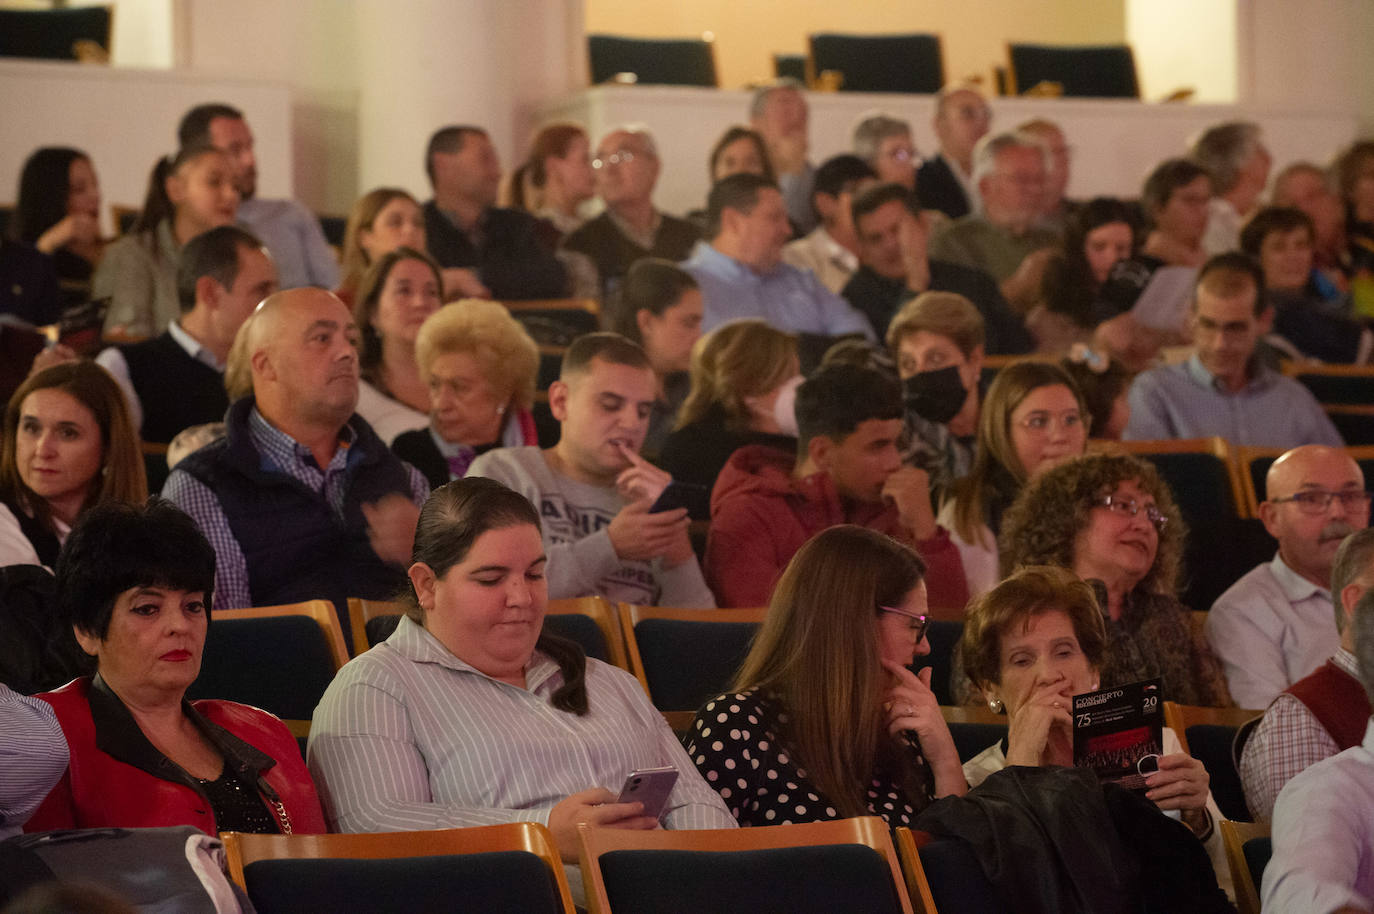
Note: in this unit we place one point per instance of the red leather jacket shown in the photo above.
(117, 779)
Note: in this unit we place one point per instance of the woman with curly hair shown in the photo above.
(1112, 521)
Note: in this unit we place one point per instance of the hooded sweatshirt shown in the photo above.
(760, 516)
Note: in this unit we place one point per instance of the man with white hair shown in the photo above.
(1234, 154)
(627, 168)
(778, 112)
(1322, 713)
(1274, 626)
(301, 499)
(1003, 240)
(945, 180)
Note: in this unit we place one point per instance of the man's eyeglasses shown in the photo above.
(1317, 501)
(917, 625)
(615, 158)
(1132, 507)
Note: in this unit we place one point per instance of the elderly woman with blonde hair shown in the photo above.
(481, 367)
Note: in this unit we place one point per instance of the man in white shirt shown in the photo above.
(1323, 713)
(1276, 624)
(176, 380)
(1323, 831)
(831, 250)
(290, 231)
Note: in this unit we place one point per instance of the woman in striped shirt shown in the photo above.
(470, 714)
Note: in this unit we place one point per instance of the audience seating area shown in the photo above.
(511, 867)
(847, 864)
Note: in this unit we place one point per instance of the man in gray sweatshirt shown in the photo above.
(593, 490)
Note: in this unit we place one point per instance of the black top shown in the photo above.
(696, 453)
(739, 744)
(417, 448)
(28, 284)
(1123, 287)
(175, 389)
(1316, 328)
(510, 260)
(938, 188)
(879, 298)
(613, 253)
(237, 807)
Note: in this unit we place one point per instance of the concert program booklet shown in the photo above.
(1119, 732)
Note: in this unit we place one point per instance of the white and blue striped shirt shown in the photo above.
(409, 737)
(33, 755)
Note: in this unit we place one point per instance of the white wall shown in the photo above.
(1313, 54)
(1185, 43)
(125, 119)
(482, 62)
(308, 46)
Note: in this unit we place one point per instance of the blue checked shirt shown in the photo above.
(281, 453)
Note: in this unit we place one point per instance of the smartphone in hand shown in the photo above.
(696, 499)
(650, 786)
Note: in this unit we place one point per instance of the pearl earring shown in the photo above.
(995, 704)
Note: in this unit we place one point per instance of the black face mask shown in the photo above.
(936, 396)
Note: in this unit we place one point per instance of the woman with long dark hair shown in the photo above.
(825, 721)
(58, 213)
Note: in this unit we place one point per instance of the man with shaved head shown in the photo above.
(1323, 713)
(301, 499)
(1276, 624)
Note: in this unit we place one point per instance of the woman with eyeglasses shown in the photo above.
(1112, 521)
(1032, 643)
(1033, 417)
(825, 720)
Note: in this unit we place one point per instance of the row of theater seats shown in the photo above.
(848, 864)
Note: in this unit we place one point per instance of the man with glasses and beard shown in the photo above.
(1276, 624)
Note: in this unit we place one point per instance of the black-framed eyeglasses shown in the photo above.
(1317, 501)
(917, 625)
(1132, 507)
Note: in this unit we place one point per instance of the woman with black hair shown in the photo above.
(471, 714)
(135, 585)
(660, 308)
(57, 212)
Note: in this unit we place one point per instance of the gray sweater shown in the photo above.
(576, 517)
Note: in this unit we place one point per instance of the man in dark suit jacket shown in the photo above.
(894, 268)
(945, 181)
(486, 251)
(176, 380)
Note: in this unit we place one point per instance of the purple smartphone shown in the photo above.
(650, 786)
